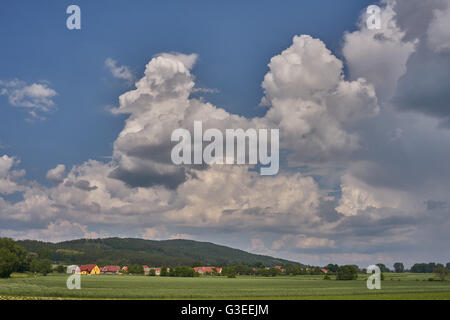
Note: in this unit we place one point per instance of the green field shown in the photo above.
(395, 286)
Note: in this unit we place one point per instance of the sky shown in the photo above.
(363, 114)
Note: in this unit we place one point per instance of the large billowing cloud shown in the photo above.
(371, 174)
(379, 55)
(308, 99)
(159, 105)
(439, 29)
(312, 104)
(408, 58)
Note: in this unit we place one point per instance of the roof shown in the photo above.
(87, 267)
(206, 269)
(111, 269)
(324, 270)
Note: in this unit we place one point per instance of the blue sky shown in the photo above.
(235, 41)
(363, 116)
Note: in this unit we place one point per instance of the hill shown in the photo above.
(125, 251)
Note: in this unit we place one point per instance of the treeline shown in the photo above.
(14, 258)
(416, 268)
(428, 267)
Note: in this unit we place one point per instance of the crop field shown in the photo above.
(395, 286)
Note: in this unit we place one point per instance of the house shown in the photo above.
(89, 269)
(157, 271)
(280, 268)
(203, 270)
(324, 270)
(110, 270)
(73, 269)
(146, 269)
(124, 269)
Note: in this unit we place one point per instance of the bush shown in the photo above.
(347, 272)
(43, 266)
(135, 269)
(326, 277)
(60, 269)
(441, 272)
(183, 271)
(230, 272)
(274, 272)
(164, 272)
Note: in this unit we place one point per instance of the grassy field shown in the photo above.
(395, 286)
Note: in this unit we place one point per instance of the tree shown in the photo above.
(274, 272)
(230, 272)
(196, 264)
(447, 266)
(423, 267)
(60, 269)
(183, 271)
(43, 266)
(44, 253)
(399, 267)
(347, 272)
(8, 262)
(332, 267)
(13, 258)
(164, 272)
(441, 272)
(135, 269)
(152, 273)
(383, 268)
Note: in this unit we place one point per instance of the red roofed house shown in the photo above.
(324, 270)
(146, 269)
(110, 269)
(203, 270)
(89, 269)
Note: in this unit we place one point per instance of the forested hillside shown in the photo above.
(124, 251)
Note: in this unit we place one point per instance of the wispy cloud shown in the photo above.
(37, 97)
(119, 72)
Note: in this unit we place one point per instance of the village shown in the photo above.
(94, 269)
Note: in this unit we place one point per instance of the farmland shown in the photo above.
(395, 286)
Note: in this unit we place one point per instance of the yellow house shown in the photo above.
(89, 269)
